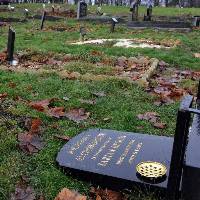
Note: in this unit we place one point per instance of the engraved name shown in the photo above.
(107, 157)
(78, 144)
(123, 156)
(90, 146)
(101, 148)
(135, 152)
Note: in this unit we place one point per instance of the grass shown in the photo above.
(123, 102)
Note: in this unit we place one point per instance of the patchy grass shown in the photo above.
(122, 103)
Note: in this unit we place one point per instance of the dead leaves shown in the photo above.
(30, 142)
(77, 114)
(106, 194)
(3, 95)
(152, 117)
(23, 191)
(67, 194)
(3, 56)
(41, 105)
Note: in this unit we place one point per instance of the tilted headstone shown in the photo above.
(10, 44)
(82, 9)
(42, 20)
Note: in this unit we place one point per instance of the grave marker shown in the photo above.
(10, 44)
(83, 33)
(113, 23)
(134, 10)
(149, 13)
(81, 10)
(117, 159)
(42, 20)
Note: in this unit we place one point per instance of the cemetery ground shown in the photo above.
(58, 90)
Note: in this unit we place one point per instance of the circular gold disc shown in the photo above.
(151, 169)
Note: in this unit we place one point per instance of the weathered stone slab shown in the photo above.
(115, 154)
(160, 25)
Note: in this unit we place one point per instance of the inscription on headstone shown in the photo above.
(10, 44)
(114, 153)
(82, 9)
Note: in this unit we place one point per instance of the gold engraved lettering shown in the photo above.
(91, 146)
(101, 149)
(78, 144)
(123, 156)
(135, 152)
(107, 157)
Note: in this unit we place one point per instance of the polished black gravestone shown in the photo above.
(82, 9)
(10, 44)
(134, 11)
(42, 20)
(114, 155)
(113, 23)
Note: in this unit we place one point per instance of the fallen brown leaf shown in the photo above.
(77, 114)
(40, 105)
(56, 112)
(67, 194)
(23, 192)
(106, 194)
(3, 95)
(30, 143)
(63, 137)
(159, 125)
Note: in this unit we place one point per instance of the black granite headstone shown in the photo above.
(10, 44)
(134, 11)
(149, 14)
(113, 23)
(114, 155)
(83, 33)
(82, 9)
(42, 20)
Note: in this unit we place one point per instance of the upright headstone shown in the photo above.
(82, 33)
(134, 10)
(113, 23)
(42, 20)
(196, 21)
(10, 45)
(149, 13)
(82, 9)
